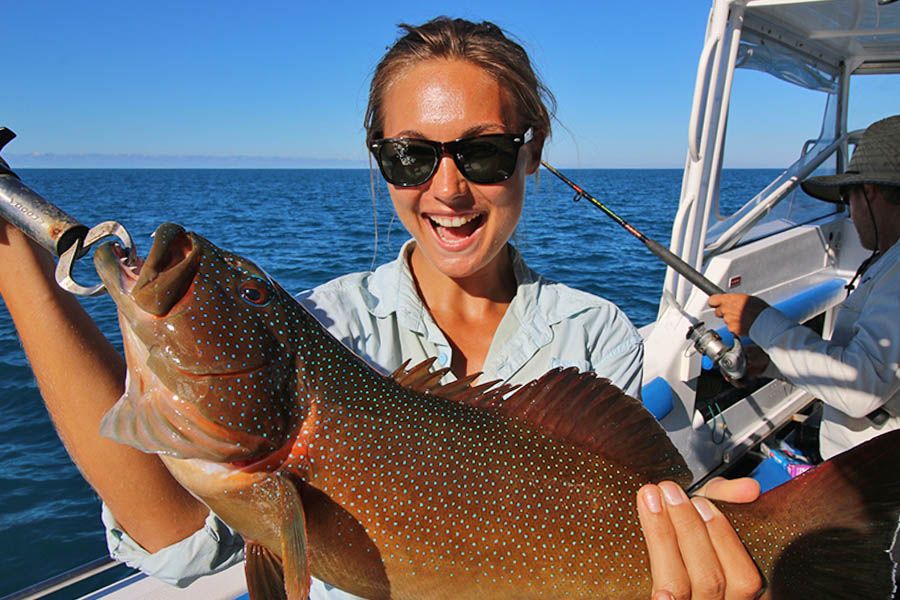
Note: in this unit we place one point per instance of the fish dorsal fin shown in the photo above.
(589, 411)
(570, 406)
(422, 379)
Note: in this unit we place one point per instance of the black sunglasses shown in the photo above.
(491, 158)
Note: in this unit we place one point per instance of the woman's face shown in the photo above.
(460, 227)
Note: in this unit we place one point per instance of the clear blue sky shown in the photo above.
(279, 83)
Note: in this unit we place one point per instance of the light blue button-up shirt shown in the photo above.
(380, 316)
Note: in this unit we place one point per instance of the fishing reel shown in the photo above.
(731, 360)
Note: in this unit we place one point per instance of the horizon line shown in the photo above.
(42, 160)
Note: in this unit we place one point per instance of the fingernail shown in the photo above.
(652, 500)
(663, 595)
(674, 494)
(704, 507)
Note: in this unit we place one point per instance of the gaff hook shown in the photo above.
(80, 248)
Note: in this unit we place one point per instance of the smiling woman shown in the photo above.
(457, 120)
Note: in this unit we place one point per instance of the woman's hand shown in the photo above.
(739, 311)
(694, 551)
(81, 376)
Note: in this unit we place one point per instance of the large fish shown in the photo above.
(399, 487)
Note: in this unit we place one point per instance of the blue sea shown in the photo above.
(304, 227)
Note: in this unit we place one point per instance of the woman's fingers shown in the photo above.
(666, 567)
(694, 551)
(707, 579)
(683, 561)
(739, 570)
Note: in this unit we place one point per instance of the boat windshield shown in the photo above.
(780, 204)
(784, 63)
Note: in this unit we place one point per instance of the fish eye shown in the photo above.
(255, 291)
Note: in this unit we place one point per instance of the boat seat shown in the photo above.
(657, 397)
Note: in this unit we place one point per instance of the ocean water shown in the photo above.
(304, 227)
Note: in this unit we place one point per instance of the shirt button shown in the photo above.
(442, 358)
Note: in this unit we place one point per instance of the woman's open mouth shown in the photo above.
(455, 230)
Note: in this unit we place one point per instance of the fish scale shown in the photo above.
(401, 487)
(513, 488)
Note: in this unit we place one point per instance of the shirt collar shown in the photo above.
(391, 289)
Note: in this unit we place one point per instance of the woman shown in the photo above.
(456, 121)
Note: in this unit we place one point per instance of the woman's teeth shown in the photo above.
(452, 221)
(455, 229)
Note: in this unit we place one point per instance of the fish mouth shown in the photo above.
(155, 284)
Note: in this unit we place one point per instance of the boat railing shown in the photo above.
(63, 580)
(787, 182)
(702, 83)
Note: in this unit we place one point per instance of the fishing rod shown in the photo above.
(730, 360)
(667, 256)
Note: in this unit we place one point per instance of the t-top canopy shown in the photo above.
(805, 41)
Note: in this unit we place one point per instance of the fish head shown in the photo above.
(209, 347)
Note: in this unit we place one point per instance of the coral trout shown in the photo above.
(400, 487)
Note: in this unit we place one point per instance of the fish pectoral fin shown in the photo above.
(265, 576)
(294, 552)
(288, 577)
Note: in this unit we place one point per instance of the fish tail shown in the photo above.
(830, 531)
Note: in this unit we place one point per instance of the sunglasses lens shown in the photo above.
(487, 159)
(482, 159)
(407, 162)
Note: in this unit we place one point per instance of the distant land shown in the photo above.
(162, 161)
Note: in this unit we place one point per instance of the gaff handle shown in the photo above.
(24, 208)
(53, 229)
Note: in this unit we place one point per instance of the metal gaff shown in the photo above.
(53, 229)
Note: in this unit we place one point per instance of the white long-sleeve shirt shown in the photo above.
(856, 371)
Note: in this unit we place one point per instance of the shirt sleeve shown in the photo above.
(618, 354)
(211, 549)
(856, 377)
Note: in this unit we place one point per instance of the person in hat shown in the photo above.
(855, 373)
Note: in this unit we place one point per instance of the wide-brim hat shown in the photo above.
(875, 160)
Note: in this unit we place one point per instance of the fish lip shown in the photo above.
(168, 272)
(155, 284)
